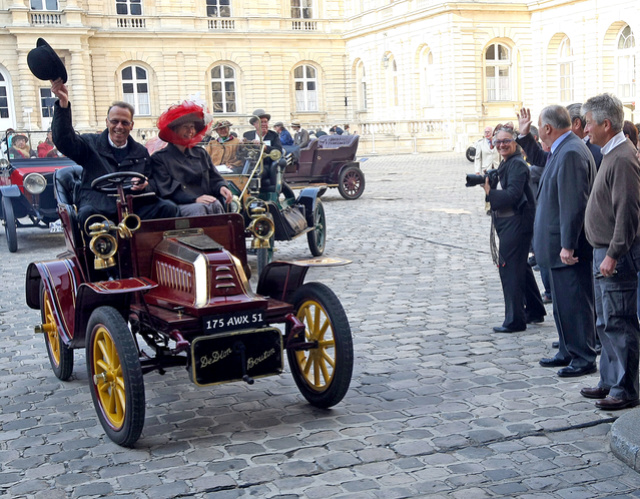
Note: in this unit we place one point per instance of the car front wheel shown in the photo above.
(60, 355)
(9, 224)
(351, 183)
(318, 236)
(115, 376)
(323, 371)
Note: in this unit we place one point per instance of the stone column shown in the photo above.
(77, 72)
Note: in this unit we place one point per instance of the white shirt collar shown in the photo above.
(117, 147)
(614, 142)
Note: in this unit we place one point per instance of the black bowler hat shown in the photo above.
(45, 64)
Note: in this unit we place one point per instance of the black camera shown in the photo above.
(474, 179)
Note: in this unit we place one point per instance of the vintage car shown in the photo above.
(26, 184)
(146, 295)
(262, 197)
(328, 161)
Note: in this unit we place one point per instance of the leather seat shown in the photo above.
(66, 183)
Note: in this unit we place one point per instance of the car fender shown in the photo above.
(308, 198)
(61, 279)
(10, 191)
(116, 293)
(280, 280)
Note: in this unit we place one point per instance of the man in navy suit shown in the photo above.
(559, 240)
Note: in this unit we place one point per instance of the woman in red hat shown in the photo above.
(183, 171)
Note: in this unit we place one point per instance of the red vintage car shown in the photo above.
(26, 184)
(147, 295)
(328, 161)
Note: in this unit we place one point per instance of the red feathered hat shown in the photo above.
(176, 115)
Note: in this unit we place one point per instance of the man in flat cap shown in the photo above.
(224, 149)
(300, 136)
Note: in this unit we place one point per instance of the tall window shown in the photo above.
(219, 8)
(135, 89)
(565, 70)
(4, 98)
(302, 9)
(391, 79)
(626, 62)
(129, 7)
(427, 78)
(46, 103)
(44, 4)
(497, 61)
(223, 89)
(361, 79)
(306, 88)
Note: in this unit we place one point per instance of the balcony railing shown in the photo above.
(304, 25)
(45, 18)
(222, 24)
(132, 22)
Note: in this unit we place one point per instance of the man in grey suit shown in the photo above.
(560, 244)
(612, 227)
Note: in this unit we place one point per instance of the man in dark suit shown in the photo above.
(560, 244)
(271, 140)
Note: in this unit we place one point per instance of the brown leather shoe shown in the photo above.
(594, 393)
(614, 404)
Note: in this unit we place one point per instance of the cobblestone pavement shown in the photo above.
(439, 405)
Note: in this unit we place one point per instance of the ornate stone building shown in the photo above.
(408, 75)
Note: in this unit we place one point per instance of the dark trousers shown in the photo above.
(573, 310)
(522, 299)
(617, 324)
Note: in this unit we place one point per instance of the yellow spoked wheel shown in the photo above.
(322, 360)
(60, 355)
(115, 374)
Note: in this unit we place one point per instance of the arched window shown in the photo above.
(497, 59)
(135, 89)
(218, 8)
(223, 89)
(565, 70)
(4, 98)
(427, 78)
(129, 7)
(306, 88)
(626, 63)
(302, 9)
(361, 79)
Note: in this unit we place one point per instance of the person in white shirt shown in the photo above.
(487, 156)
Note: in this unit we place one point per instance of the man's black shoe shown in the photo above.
(535, 320)
(555, 344)
(546, 298)
(501, 329)
(554, 362)
(574, 372)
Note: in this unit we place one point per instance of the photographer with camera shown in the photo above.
(512, 213)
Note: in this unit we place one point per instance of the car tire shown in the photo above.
(318, 236)
(471, 153)
(60, 355)
(351, 183)
(9, 224)
(115, 376)
(322, 373)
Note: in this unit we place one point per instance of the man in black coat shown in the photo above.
(112, 150)
(560, 243)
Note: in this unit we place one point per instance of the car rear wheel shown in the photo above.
(60, 355)
(9, 224)
(115, 375)
(317, 237)
(322, 372)
(351, 183)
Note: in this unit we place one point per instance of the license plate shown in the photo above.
(226, 357)
(233, 321)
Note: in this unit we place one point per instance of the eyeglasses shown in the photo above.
(505, 142)
(124, 123)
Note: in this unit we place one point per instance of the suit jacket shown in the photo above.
(536, 156)
(486, 157)
(563, 193)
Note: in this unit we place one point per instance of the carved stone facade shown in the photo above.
(409, 75)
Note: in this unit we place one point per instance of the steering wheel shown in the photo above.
(109, 183)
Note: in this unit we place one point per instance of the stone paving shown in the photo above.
(439, 405)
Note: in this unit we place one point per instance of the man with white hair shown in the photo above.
(487, 156)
